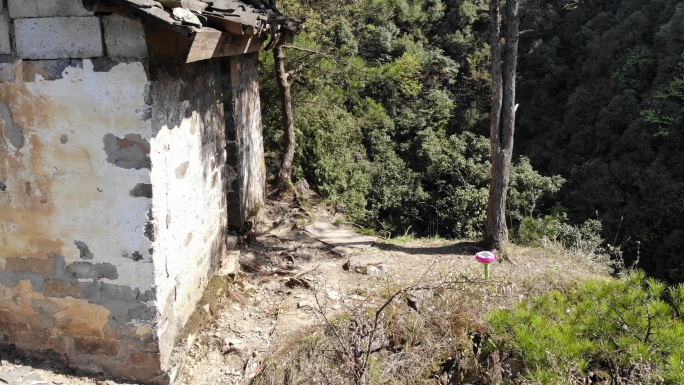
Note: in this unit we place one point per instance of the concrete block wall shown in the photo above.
(58, 37)
(5, 43)
(124, 37)
(46, 8)
(52, 29)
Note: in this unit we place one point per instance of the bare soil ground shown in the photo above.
(290, 284)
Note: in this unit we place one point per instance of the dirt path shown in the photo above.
(288, 281)
(280, 307)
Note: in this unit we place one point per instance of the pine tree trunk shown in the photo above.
(502, 123)
(284, 175)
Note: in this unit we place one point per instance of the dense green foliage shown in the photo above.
(389, 122)
(602, 99)
(392, 118)
(628, 330)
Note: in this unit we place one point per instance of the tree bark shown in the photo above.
(502, 123)
(284, 175)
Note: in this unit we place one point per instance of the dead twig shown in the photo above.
(332, 327)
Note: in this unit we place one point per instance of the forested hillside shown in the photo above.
(391, 104)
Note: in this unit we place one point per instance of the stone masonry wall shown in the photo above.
(76, 268)
(246, 168)
(188, 181)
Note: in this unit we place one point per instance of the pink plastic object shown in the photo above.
(486, 257)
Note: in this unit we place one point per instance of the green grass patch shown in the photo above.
(404, 239)
(366, 231)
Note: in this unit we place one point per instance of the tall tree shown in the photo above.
(282, 76)
(502, 118)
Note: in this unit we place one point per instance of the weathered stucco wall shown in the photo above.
(76, 269)
(76, 272)
(188, 158)
(115, 183)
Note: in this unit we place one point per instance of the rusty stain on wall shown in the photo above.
(35, 70)
(91, 317)
(25, 173)
(182, 169)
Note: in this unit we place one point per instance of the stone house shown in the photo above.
(130, 139)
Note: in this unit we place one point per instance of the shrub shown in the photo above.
(626, 330)
(581, 239)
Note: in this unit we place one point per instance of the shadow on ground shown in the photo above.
(27, 368)
(457, 248)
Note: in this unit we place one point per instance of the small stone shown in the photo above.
(302, 188)
(305, 303)
(34, 379)
(231, 241)
(207, 308)
(186, 16)
(191, 340)
(414, 303)
(336, 307)
(334, 295)
(297, 282)
(364, 264)
(234, 343)
(342, 250)
(15, 375)
(272, 285)
(230, 264)
(173, 373)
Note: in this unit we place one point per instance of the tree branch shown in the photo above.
(293, 72)
(311, 51)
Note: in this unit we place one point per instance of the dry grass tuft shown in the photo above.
(427, 334)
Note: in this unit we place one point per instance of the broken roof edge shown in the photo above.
(251, 18)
